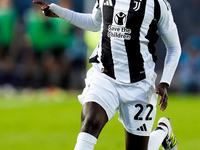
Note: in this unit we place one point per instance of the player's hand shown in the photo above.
(45, 9)
(162, 91)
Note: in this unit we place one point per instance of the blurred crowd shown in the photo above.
(38, 52)
(187, 17)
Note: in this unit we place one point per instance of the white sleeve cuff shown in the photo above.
(63, 13)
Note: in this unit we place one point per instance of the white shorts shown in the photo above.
(136, 102)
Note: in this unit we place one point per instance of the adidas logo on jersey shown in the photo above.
(108, 3)
(142, 128)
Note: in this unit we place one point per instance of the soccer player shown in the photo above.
(122, 76)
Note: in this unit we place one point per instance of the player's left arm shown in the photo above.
(169, 34)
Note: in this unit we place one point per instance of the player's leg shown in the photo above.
(156, 138)
(135, 142)
(163, 135)
(93, 119)
(100, 103)
(137, 114)
(137, 118)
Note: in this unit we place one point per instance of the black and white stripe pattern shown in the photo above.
(128, 38)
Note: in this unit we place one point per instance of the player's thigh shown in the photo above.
(93, 118)
(138, 108)
(103, 92)
(138, 117)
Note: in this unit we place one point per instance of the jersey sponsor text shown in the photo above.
(119, 32)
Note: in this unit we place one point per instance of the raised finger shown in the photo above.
(39, 2)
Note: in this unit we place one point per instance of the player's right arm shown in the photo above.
(91, 22)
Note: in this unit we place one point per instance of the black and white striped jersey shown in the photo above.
(129, 30)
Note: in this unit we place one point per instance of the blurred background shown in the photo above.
(37, 52)
(43, 62)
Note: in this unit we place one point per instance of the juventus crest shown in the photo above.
(137, 5)
(135, 8)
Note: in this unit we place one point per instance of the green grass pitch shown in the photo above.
(51, 120)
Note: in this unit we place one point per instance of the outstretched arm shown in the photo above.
(91, 22)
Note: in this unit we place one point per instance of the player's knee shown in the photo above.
(93, 125)
(93, 118)
(90, 124)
